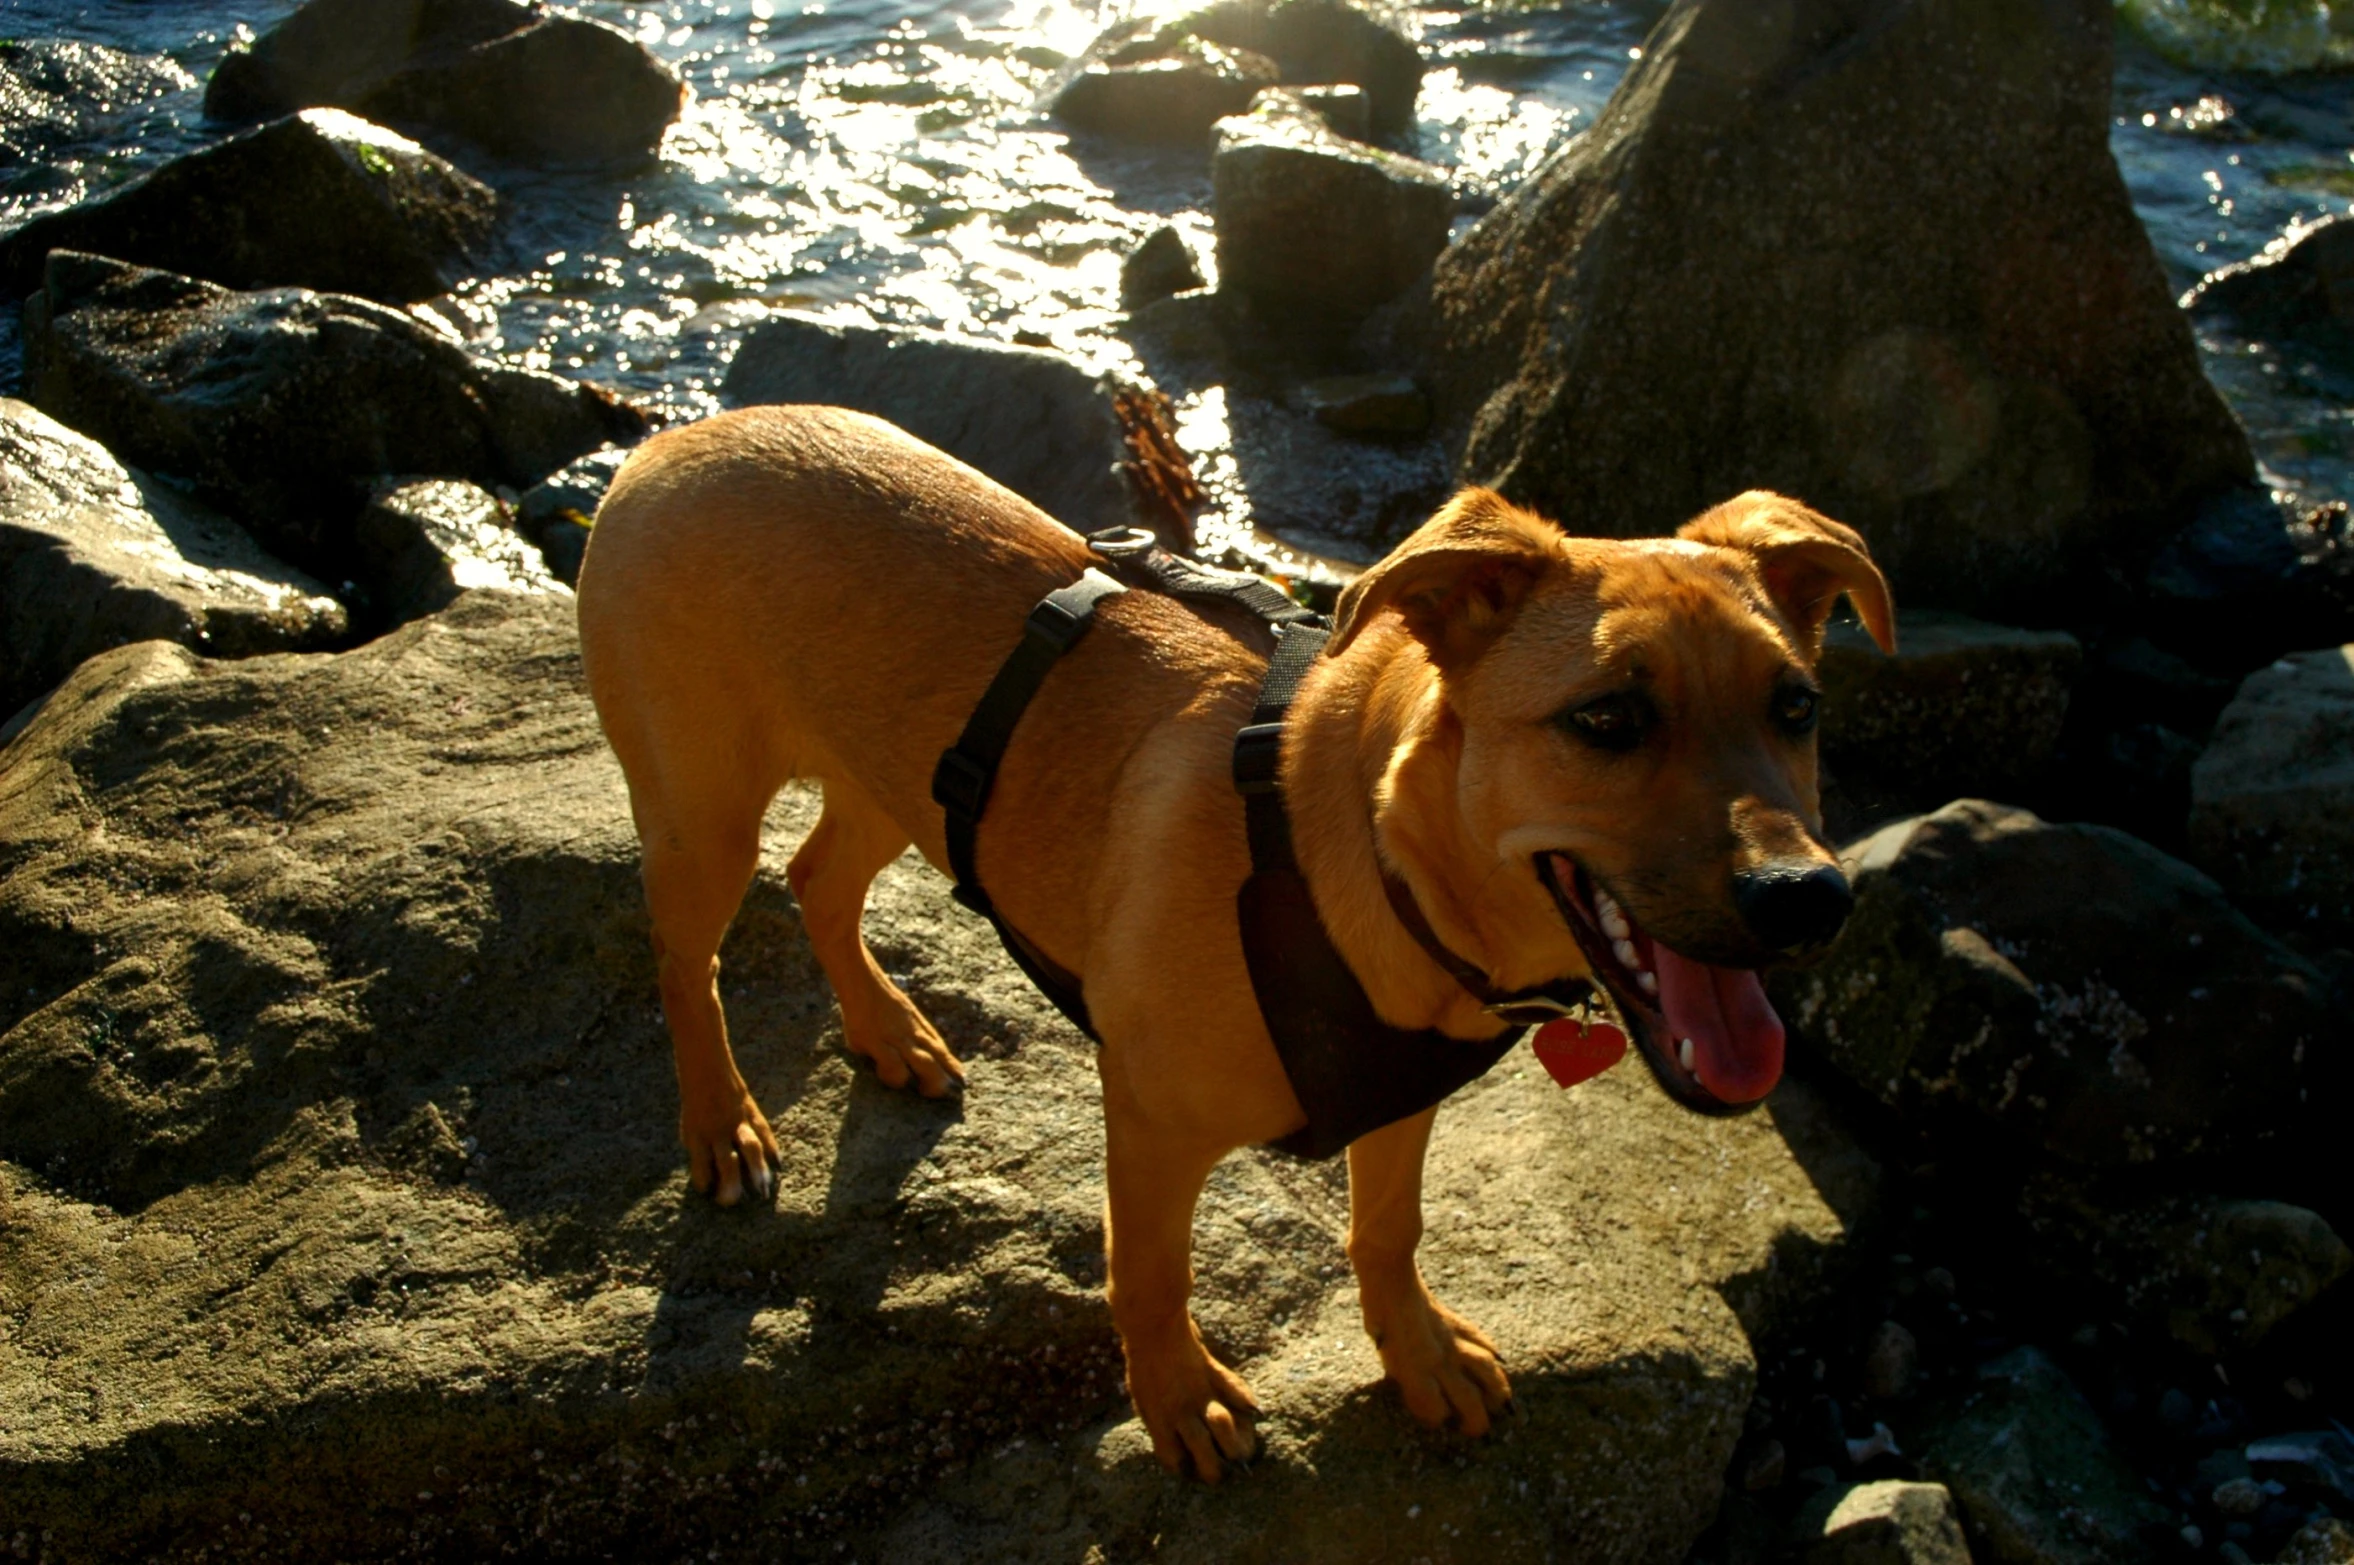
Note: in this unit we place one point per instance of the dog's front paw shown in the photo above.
(1192, 1405)
(904, 1046)
(730, 1148)
(1444, 1365)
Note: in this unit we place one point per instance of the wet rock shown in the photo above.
(1315, 227)
(1173, 99)
(1159, 266)
(511, 79)
(340, 1169)
(1372, 405)
(1346, 110)
(94, 556)
(1033, 420)
(564, 544)
(284, 406)
(2238, 1497)
(2255, 574)
(570, 494)
(2327, 1541)
(1876, 254)
(2302, 285)
(1961, 707)
(2033, 1471)
(317, 200)
(1324, 41)
(2063, 986)
(55, 90)
(2321, 1459)
(2272, 799)
(1890, 1362)
(2213, 1275)
(1886, 1523)
(420, 543)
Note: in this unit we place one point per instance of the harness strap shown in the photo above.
(1352, 1072)
(967, 770)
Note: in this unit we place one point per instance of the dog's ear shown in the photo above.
(1456, 581)
(1806, 558)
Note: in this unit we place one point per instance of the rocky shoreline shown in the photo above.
(339, 1211)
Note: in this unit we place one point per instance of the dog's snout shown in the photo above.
(1792, 904)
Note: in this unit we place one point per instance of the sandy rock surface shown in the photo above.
(343, 1215)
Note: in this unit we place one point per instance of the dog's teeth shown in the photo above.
(1684, 1052)
(1649, 982)
(1604, 903)
(1615, 925)
(1624, 950)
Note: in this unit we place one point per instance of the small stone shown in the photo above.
(1765, 1468)
(2231, 1553)
(1890, 1362)
(1172, 100)
(564, 544)
(422, 542)
(1344, 107)
(1368, 405)
(2272, 799)
(1889, 1523)
(1939, 1283)
(2239, 1497)
(1160, 266)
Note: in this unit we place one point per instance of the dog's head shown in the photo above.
(1630, 726)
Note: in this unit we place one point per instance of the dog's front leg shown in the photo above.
(1443, 1363)
(1191, 1404)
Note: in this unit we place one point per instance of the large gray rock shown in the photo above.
(2034, 1473)
(506, 76)
(422, 542)
(2272, 798)
(59, 90)
(346, 1220)
(285, 406)
(1884, 1523)
(2062, 986)
(93, 556)
(1873, 254)
(1961, 707)
(318, 200)
(1314, 227)
(1033, 420)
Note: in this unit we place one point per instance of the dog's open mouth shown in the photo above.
(1709, 1034)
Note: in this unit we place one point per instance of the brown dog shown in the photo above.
(1576, 753)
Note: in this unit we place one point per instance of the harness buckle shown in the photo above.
(1055, 625)
(960, 785)
(1258, 752)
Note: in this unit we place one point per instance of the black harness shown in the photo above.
(1351, 1071)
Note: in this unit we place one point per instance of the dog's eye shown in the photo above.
(1796, 709)
(1613, 722)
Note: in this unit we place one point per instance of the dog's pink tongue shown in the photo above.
(1736, 1037)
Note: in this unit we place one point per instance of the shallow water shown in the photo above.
(881, 159)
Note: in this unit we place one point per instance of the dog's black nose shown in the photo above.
(1793, 903)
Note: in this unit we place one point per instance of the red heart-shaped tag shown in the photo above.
(1573, 1051)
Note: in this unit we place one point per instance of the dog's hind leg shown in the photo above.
(698, 861)
(849, 846)
(1442, 1363)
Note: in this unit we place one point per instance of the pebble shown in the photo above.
(2239, 1497)
(1890, 1362)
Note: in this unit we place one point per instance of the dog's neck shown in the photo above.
(1371, 779)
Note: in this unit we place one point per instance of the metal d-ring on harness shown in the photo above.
(1351, 1071)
